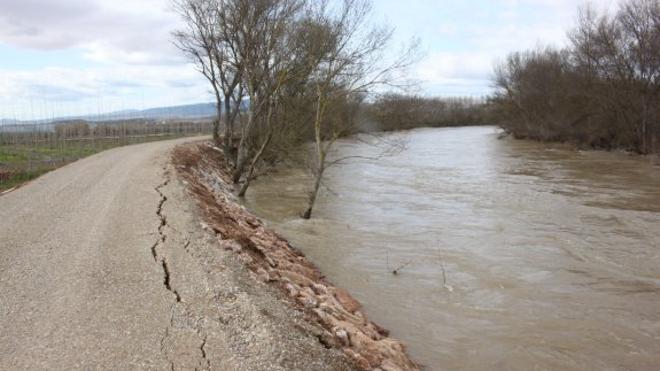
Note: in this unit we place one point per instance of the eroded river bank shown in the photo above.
(520, 255)
(328, 316)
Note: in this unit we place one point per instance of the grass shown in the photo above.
(24, 162)
(16, 179)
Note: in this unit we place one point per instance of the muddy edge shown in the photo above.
(334, 314)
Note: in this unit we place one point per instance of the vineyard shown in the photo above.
(28, 151)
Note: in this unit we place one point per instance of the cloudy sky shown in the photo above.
(68, 57)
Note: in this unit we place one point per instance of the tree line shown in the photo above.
(57, 134)
(602, 91)
(403, 111)
(301, 69)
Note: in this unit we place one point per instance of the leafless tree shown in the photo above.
(262, 31)
(350, 67)
(286, 56)
(603, 91)
(207, 43)
(402, 111)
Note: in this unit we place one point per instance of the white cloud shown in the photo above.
(446, 65)
(111, 31)
(470, 40)
(127, 46)
(76, 91)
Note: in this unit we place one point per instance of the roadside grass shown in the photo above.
(15, 179)
(20, 163)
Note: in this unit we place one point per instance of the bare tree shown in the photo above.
(402, 111)
(206, 42)
(261, 30)
(351, 65)
(639, 21)
(603, 91)
(285, 56)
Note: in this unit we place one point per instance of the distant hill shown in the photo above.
(189, 111)
(9, 122)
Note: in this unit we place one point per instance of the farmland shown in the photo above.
(28, 151)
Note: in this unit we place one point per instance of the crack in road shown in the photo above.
(166, 280)
(159, 255)
(162, 237)
(163, 220)
(202, 348)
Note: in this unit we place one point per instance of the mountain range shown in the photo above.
(189, 111)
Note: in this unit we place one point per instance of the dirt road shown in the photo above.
(104, 265)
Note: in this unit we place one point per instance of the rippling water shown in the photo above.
(518, 255)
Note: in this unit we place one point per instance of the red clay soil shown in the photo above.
(333, 311)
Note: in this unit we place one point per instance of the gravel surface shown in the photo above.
(104, 264)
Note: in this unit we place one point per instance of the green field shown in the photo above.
(32, 150)
(23, 162)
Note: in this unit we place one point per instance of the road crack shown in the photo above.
(163, 350)
(166, 280)
(162, 237)
(160, 256)
(163, 220)
(203, 349)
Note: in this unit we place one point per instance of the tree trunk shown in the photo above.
(229, 128)
(216, 122)
(320, 153)
(241, 158)
(645, 113)
(313, 194)
(242, 153)
(216, 130)
(253, 163)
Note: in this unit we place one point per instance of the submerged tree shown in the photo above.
(351, 65)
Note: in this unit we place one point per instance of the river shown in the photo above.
(516, 255)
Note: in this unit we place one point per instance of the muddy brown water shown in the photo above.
(520, 255)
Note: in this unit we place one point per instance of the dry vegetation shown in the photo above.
(603, 91)
(401, 112)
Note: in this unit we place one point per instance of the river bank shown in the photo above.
(334, 318)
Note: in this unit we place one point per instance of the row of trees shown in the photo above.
(57, 134)
(304, 67)
(401, 112)
(603, 91)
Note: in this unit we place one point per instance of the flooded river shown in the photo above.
(517, 255)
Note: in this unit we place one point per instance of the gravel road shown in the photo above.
(104, 264)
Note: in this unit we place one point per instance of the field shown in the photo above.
(31, 152)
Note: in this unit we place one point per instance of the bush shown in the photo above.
(603, 91)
